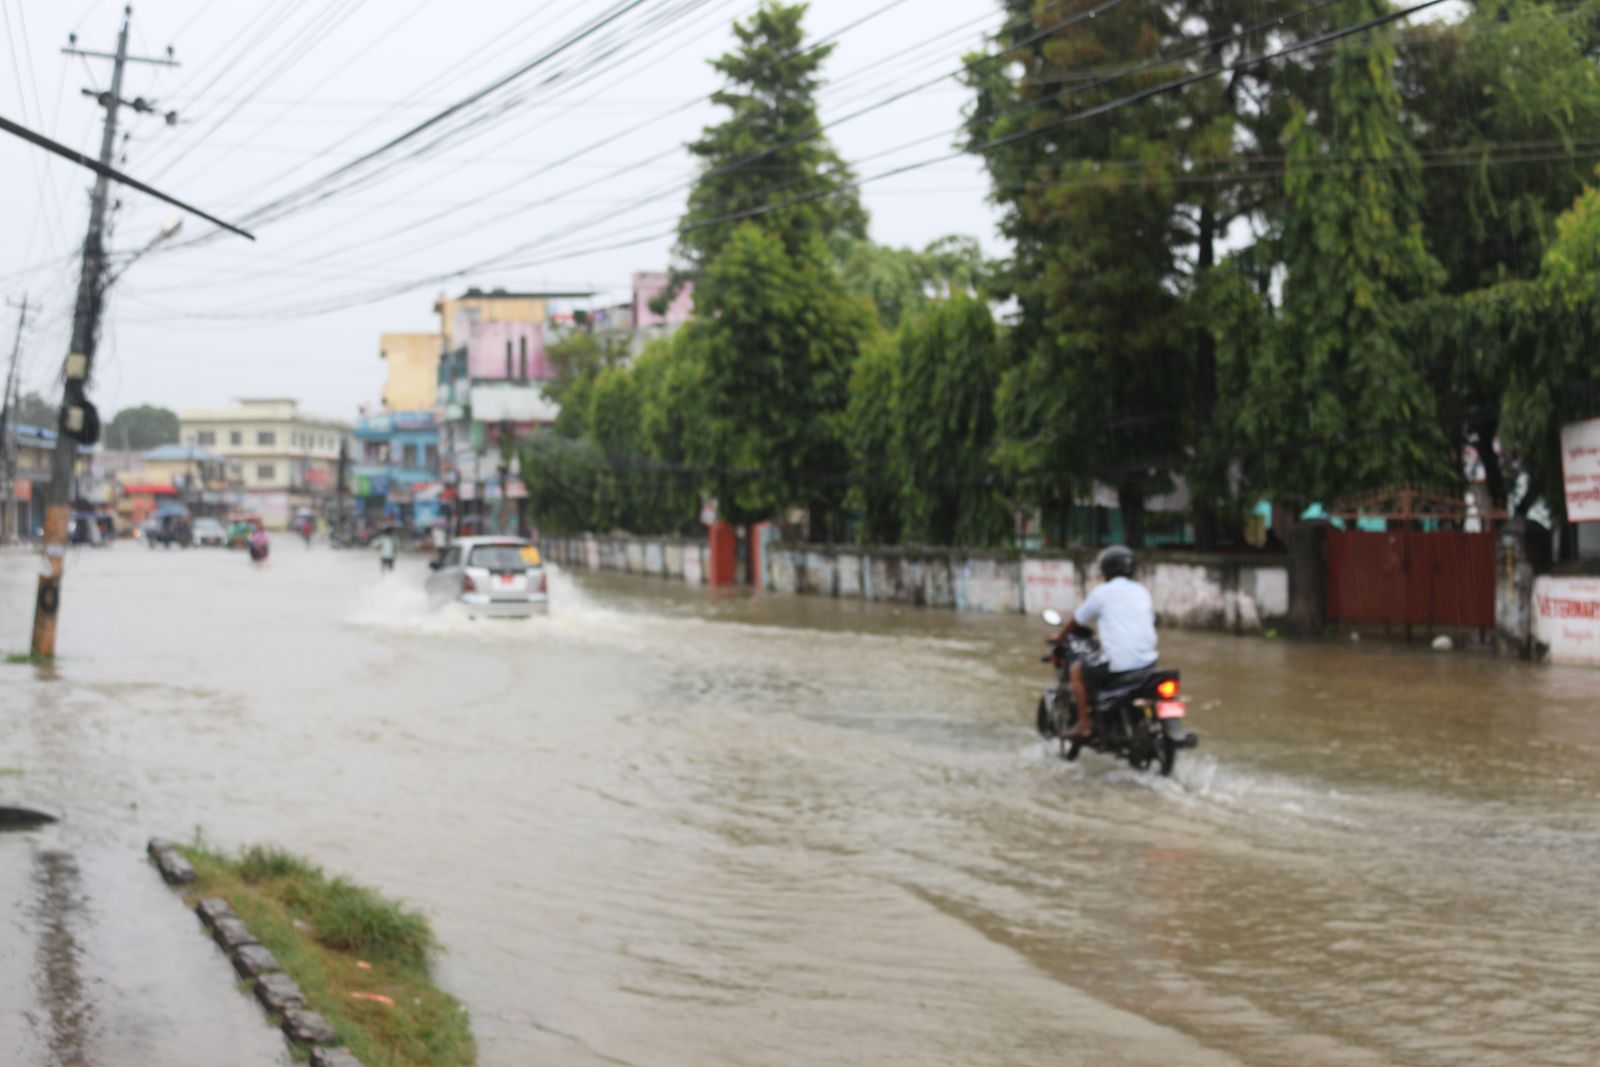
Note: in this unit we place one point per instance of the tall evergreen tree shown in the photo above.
(1341, 371)
(1102, 347)
(944, 425)
(769, 150)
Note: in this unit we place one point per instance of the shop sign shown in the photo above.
(1580, 466)
(1566, 618)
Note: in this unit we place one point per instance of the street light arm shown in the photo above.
(111, 172)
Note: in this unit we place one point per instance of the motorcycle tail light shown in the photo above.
(1167, 689)
(467, 584)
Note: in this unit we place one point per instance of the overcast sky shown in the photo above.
(275, 93)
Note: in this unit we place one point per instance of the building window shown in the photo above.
(266, 471)
(508, 357)
(266, 437)
(236, 438)
(206, 438)
(523, 367)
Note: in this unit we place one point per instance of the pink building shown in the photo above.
(647, 285)
(507, 351)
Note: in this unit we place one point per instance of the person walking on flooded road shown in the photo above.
(387, 548)
(260, 546)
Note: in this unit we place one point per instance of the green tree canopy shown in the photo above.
(767, 160)
(901, 280)
(35, 410)
(949, 359)
(1353, 244)
(141, 427)
(775, 337)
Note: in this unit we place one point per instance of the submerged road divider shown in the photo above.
(339, 968)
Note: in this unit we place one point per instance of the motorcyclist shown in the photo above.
(1126, 620)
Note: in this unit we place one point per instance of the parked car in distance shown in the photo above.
(208, 532)
(498, 577)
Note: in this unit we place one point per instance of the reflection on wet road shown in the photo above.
(666, 827)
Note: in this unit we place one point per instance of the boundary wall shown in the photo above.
(1193, 590)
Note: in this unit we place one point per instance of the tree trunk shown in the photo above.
(1483, 440)
(1130, 500)
(1202, 485)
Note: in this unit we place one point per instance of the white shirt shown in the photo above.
(1127, 619)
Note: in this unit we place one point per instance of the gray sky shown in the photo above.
(274, 94)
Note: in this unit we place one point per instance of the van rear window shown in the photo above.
(497, 558)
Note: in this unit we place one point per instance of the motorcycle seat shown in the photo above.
(1133, 681)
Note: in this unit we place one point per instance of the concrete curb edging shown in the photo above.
(306, 1031)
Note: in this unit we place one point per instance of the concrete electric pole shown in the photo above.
(8, 434)
(79, 421)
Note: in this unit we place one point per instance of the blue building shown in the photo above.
(395, 477)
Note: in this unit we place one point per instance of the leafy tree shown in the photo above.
(1355, 254)
(562, 476)
(944, 421)
(901, 280)
(870, 437)
(775, 339)
(141, 427)
(578, 356)
(1499, 99)
(34, 410)
(1554, 376)
(768, 152)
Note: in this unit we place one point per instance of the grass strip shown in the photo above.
(323, 930)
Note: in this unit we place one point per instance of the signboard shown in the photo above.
(1049, 583)
(411, 420)
(1580, 466)
(1566, 618)
(23, 490)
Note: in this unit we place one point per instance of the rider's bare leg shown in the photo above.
(1080, 693)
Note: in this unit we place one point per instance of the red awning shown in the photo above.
(149, 490)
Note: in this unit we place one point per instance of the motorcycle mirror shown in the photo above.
(1052, 616)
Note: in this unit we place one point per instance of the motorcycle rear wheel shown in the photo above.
(1043, 721)
(1166, 755)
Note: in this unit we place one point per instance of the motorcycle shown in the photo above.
(1140, 719)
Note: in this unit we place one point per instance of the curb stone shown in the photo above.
(174, 868)
(307, 1027)
(232, 934)
(333, 1057)
(213, 909)
(253, 961)
(279, 994)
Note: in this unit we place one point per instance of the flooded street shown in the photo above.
(671, 828)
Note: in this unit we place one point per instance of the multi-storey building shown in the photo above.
(289, 461)
(489, 392)
(412, 370)
(395, 476)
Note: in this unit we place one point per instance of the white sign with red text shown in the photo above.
(1580, 468)
(1049, 583)
(1566, 618)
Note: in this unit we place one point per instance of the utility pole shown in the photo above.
(8, 433)
(78, 420)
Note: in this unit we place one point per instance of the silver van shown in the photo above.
(500, 577)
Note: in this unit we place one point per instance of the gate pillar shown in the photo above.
(1513, 591)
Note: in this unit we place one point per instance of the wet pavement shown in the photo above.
(672, 827)
(102, 965)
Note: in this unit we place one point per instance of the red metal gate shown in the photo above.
(1411, 578)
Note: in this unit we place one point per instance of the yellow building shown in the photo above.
(413, 370)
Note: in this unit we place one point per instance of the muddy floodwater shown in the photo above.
(672, 828)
